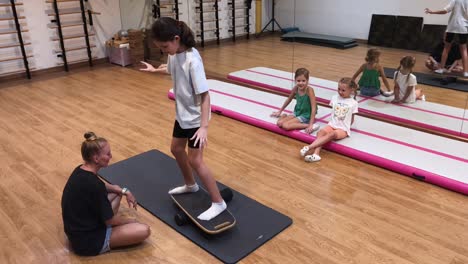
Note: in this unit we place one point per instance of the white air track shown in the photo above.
(437, 117)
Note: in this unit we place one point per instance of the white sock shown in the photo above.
(184, 189)
(213, 211)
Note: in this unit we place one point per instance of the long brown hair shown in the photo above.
(166, 28)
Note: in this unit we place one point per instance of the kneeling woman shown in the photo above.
(90, 206)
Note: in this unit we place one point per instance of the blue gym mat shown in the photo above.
(151, 174)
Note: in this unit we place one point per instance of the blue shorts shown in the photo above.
(369, 91)
(303, 120)
(106, 246)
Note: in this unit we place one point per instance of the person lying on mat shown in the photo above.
(306, 105)
(90, 206)
(343, 109)
(454, 62)
(371, 70)
(192, 108)
(405, 82)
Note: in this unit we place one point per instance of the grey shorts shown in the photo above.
(106, 246)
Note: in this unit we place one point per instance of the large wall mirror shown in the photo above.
(445, 111)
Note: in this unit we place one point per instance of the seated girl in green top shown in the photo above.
(369, 83)
(306, 106)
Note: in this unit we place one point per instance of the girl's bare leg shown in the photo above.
(178, 150)
(283, 119)
(294, 124)
(206, 177)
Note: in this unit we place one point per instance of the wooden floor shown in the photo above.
(344, 211)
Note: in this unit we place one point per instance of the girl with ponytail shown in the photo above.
(192, 98)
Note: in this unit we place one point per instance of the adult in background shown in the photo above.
(457, 27)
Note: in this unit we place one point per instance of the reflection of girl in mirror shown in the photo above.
(192, 108)
(405, 82)
(344, 106)
(306, 105)
(371, 71)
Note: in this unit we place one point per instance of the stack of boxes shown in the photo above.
(137, 49)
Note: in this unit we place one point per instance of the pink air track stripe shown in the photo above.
(347, 151)
(411, 145)
(419, 109)
(328, 88)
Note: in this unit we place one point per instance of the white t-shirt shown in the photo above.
(342, 113)
(458, 21)
(189, 80)
(404, 82)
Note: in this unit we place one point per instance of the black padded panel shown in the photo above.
(431, 35)
(407, 32)
(381, 30)
(319, 39)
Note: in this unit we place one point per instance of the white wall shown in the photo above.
(350, 18)
(105, 25)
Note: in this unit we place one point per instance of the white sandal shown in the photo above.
(312, 158)
(304, 150)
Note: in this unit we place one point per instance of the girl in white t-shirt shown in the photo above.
(405, 82)
(192, 108)
(343, 109)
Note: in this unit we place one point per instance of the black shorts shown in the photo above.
(461, 37)
(179, 132)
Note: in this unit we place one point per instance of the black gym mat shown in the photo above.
(431, 36)
(433, 80)
(407, 32)
(319, 39)
(151, 174)
(381, 30)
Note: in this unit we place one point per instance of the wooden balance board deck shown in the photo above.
(193, 204)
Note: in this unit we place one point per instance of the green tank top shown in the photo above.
(302, 107)
(370, 78)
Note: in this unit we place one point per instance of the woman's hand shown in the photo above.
(132, 203)
(396, 101)
(201, 137)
